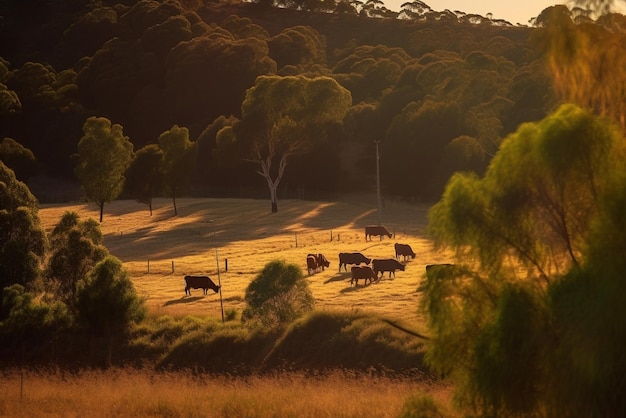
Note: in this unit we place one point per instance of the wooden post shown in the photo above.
(296, 236)
(148, 266)
(172, 266)
(226, 264)
(331, 235)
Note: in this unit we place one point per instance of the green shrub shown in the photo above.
(278, 295)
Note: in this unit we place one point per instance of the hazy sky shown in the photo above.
(515, 11)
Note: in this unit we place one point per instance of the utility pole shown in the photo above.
(378, 183)
(217, 263)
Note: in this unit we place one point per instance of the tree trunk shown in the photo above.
(174, 200)
(101, 210)
(273, 198)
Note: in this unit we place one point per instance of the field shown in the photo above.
(243, 235)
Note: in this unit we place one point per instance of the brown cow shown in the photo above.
(322, 261)
(376, 230)
(366, 273)
(199, 282)
(315, 262)
(404, 250)
(352, 258)
(387, 264)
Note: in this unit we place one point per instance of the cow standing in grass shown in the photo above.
(199, 282)
(362, 272)
(371, 231)
(404, 250)
(352, 258)
(315, 262)
(387, 264)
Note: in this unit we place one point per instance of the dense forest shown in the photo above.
(439, 90)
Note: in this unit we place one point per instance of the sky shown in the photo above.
(514, 11)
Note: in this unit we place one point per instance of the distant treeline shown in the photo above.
(438, 91)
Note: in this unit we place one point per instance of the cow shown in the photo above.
(387, 264)
(365, 272)
(404, 250)
(322, 261)
(314, 262)
(352, 258)
(199, 282)
(311, 263)
(376, 230)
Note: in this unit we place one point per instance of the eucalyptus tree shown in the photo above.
(282, 117)
(76, 246)
(145, 178)
(22, 238)
(104, 154)
(179, 161)
(529, 320)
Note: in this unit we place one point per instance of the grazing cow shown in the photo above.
(352, 258)
(366, 273)
(387, 264)
(404, 250)
(376, 230)
(311, 263)
(322, 261)
(199, 282)
(315, 262)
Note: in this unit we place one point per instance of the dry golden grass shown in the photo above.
(248, 235)
(132, 393)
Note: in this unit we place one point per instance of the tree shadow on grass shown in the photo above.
(183, 299)
(338, 278)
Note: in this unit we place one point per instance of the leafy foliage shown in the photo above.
(278, 295)
(22, 239)
(104, 154)
(75, 248)
(24, 322)
(179, 160)
(519, 324)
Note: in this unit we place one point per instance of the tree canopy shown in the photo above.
(526, 233)
(282, 117)
(104, 154)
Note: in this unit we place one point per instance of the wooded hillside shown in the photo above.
(439, 90)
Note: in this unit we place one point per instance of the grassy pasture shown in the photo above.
(133, 393)
(248, 235)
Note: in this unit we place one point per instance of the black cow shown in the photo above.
(199, 282)
(365, 272)
(376, 230)
(387, 264)
(404, 250)
(352, 258)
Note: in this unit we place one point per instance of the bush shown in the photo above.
(278, 295)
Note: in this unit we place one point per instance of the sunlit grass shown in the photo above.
(247, 236)
(144, 393)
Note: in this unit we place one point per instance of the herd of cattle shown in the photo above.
(318, 262)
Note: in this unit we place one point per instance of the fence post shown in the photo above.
(172, 266)
(148, 266)
(296, 236)
(226, 264)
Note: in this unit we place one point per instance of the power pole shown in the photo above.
(217, 263)
(378, 183)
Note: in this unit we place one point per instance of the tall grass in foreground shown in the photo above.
(143, 393)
